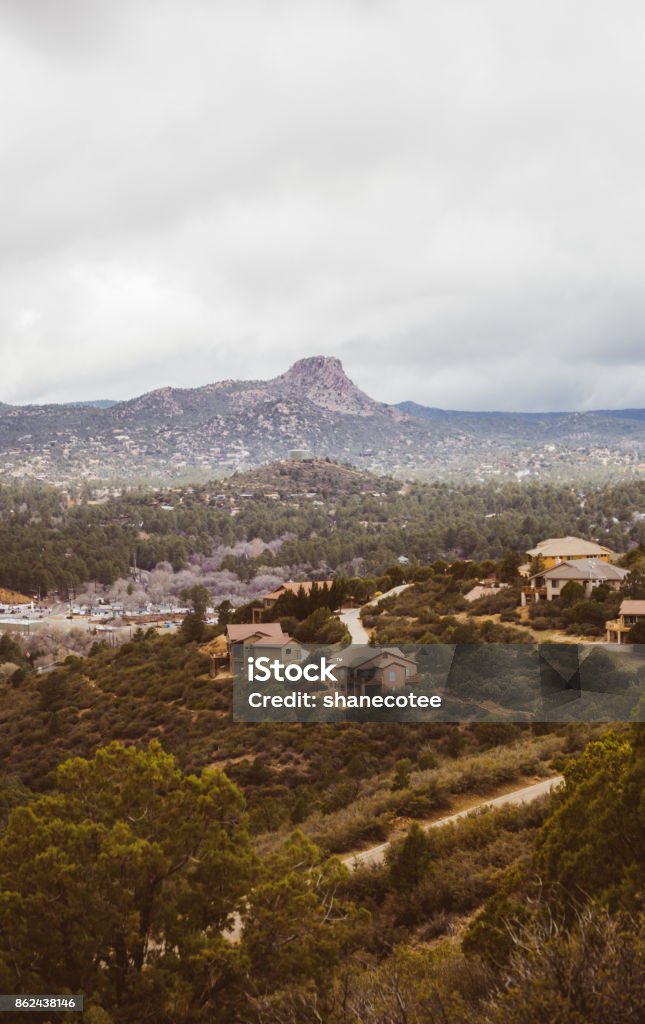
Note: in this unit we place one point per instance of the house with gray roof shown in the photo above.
(588, 572)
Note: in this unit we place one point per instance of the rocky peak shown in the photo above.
(324, 382)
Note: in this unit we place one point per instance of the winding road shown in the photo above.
(352, 616)
(376, 854)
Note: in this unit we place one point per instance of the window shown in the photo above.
(392, 675)
(555, 584)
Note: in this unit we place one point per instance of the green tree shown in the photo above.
(297, 913)
(409, 860)
(636, 634)
(571, 593)
(321, 627)
(589, 850)
(593, 843)
(193, 626)
(121, 881)
(224, 612)
(509, 566)
(402, 770)
(199, 597)
(633, 586)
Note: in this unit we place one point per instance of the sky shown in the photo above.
(448, 196)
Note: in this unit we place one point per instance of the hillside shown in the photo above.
(12, 597)
(618, 424)
(314, 477)
(226, 426)
(491, 917)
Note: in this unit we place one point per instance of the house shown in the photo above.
(565, 549)
(261, 640)
(589, 573)
(292, 587)
(285, 649)
(630, 613)
(373, 670)
(240, 637)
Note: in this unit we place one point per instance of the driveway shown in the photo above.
(357, 631)
(352, 616)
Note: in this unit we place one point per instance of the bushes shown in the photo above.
(540, 624)
(432, 876)
(592, 973)
(580, 618)
(430, 790)
(321, 627)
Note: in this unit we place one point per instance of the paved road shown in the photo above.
(351, 616)
(376, 854)
(388, 593)
(357, 631)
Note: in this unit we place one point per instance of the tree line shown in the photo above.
(48, 543)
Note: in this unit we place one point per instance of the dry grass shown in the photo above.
(13, 597)
(432, 793)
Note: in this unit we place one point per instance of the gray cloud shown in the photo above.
(449, 196)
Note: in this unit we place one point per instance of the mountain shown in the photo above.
(322, 381)
(226, 426)
(97, 403)
(625, 414)
(596, 427)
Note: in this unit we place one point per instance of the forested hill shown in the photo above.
(296, 518)
(121, 872)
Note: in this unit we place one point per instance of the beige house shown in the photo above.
(631, 612)
(286, 650)
(241, 637)
(292, 587)
(589, 573)
(565, 549)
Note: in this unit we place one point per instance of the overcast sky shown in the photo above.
(447, 195)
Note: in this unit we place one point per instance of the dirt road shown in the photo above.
(376, 854)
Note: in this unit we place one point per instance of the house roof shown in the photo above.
(564, 547)
(294, 587)
(583, 569)
(281, 642)
(355, 658)
(632, 608)
(239, 632)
